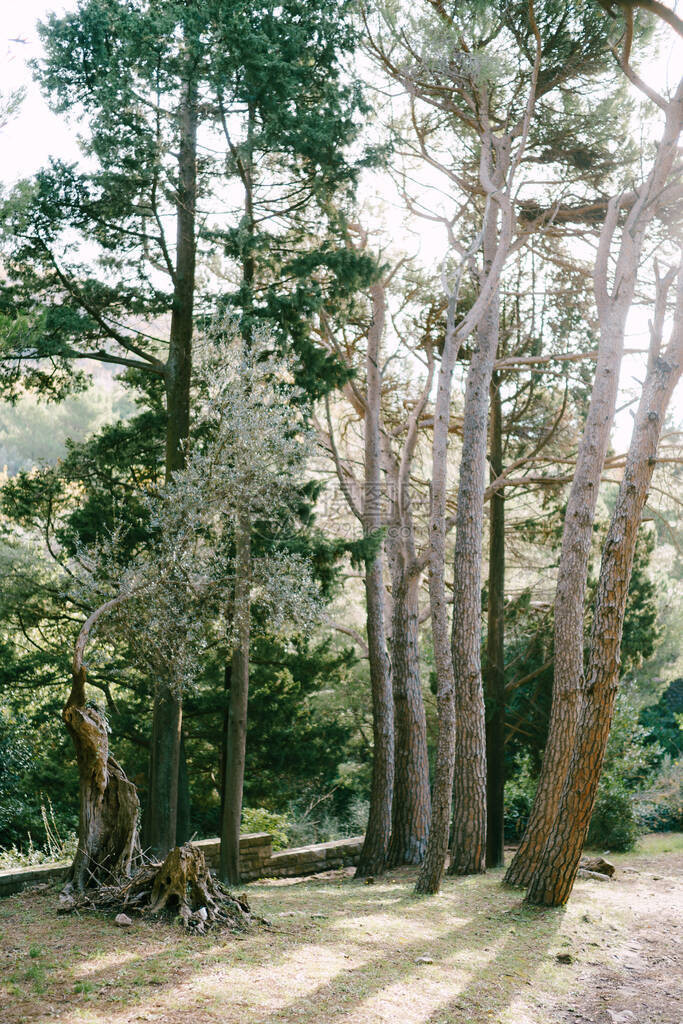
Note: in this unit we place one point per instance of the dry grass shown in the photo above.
(339, 952)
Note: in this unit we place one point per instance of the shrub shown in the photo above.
(614, 825)
(57, 847)
(660, 808)
(316, 821)
(630, 762)
(357, 819)
(520, 790)
(663, 721)
(258, 819)
(15, 762)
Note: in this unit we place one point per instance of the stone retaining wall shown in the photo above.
(18, 878)
(257, 860)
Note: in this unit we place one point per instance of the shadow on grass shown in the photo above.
(480, 962)
(347, 950)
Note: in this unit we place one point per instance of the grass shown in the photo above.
(336, 951)
(651, 844)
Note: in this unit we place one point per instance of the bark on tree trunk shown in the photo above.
(183, 823)
(429, 878)
(231, 817)
(494, 676)
(377, 834)
(378, 831)
(411, 811)
(431, 872)
(223, 759)
(239, 694)
(553, 880)
(569, 610)
(109, 806)
(162, 817)
(613, 307)
(162, 814)
(468, 849)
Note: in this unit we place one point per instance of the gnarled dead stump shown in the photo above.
(184, 881)
(109, 805)
(100, 875)
(181, 887)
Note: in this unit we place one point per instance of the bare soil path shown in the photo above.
(341, 952)
(642, 978)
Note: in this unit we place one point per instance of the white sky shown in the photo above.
(36, 134)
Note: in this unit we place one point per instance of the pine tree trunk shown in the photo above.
(429, 879)
(229, 869)
(223, 757)
(183, 823)
(377, 834)
(431, 872)
(553, 880)
(569, 609)
(494, 676)
(378, 831)
(468, 850)
(235, 758)
(162, 814)
(613, 307)
(411, 810)
(569, 612)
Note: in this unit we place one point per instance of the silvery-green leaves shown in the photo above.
(248, 455)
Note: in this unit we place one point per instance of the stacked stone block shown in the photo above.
(257, 860)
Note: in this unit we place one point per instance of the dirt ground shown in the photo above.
(337, 951)
(642, 980)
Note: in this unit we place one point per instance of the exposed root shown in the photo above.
(182, 887)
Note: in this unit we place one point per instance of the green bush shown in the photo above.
(57, 847)
(316, 821)
(16, 761)
(663, 721)
(660, 808)
(631, 760)
(520, 790)
(258, 819)
(614, 825)
(37, 769)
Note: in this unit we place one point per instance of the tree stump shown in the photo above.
(185, 882)
(182, 886)
(597, 865)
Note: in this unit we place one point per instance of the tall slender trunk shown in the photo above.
(235, 759)
(237, 717)
(223, 758)
(183, 821)
(429, 879)
(552, 882)
(613, 307)
(468, 850)
(377, 834)
(494, 677)
(431, 873)
(411, 809)
(569, 609)
(167, 716)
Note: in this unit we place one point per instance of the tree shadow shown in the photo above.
(335, 950)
